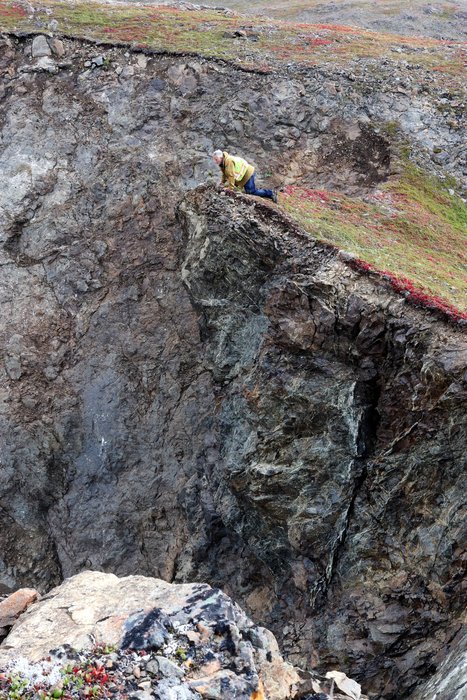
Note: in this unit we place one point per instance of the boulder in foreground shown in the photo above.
(182, 641)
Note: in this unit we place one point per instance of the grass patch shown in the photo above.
(412, 231)
(12, 15)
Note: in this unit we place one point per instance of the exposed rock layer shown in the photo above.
(285, 428)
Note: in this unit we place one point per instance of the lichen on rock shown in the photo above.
(189, 637)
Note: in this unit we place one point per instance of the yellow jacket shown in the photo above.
(235, 171)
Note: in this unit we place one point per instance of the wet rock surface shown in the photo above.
(271, 423)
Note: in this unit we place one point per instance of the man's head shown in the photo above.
(218, 157)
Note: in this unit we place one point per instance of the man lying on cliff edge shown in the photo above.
(236, 172)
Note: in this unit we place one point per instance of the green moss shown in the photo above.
(433, 195)
(391, 128)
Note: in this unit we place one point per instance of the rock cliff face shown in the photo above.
(339, 414)
(215, 396)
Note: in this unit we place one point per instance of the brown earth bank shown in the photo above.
(198, 391)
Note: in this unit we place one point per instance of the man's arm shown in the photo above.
(229, 174)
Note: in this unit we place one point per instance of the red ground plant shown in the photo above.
(414, 295)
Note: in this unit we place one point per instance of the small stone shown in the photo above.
(5, 42)
(46, 65)
(192, 636)
(441, 158)
(168, 668)
(40, 47)
(344, 255)
(16, 603)
(152, 667)
(209, 668)
(144, 685)
(28, 402)
(141, 695)
(136, 671)
(13, 367)
(331, 88)
(97, 61)
(212, 687)
(57, 47)
(51, 372)
(204, 631)
(81, 285)
(100, 248)
(236, 34)
(127, 72)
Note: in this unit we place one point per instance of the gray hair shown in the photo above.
(217, 154)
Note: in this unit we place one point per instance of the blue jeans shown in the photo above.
(250, 188)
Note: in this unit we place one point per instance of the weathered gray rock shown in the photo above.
(127, 72)
(44, 64)
(40, 47)
(304, 428)
(169, 668)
